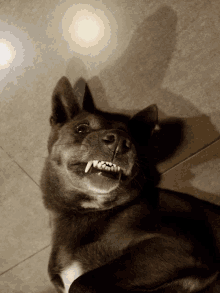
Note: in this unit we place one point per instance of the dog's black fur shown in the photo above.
(118, 233)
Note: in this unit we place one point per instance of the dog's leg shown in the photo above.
(150, 266)
(53, 272)
(197, 209)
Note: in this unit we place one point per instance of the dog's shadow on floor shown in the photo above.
(135, 81)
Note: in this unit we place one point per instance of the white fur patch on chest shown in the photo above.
(70, 274)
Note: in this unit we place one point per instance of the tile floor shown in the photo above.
(165, 52)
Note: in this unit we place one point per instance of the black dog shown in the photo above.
(111, 229)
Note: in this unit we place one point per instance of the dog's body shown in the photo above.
(111, 230)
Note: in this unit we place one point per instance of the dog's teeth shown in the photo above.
(103, 165)
(99, 165)
(88, 166)
(95, 163)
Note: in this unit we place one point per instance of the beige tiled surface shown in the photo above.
(29, 276)
(168, 52)
(198, 175)
(24, 222)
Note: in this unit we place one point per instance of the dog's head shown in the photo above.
(93, 161)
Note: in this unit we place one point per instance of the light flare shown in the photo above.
(7, 53)
(87, 30)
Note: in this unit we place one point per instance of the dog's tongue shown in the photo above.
(102, 181)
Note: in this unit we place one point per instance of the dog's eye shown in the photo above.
(82, 128)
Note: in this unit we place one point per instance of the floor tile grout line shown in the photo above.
(192, 155)
(19, 166)
(24, 260)
(38, 186)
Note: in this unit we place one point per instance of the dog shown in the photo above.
(112, 230)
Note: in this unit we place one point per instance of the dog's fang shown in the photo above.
(88, 166)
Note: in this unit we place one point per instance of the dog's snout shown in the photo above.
(116, 142)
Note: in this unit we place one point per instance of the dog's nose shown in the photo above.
(116, 142)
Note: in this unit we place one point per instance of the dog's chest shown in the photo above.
(70, 274)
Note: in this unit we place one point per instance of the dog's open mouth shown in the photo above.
(106, 169)
(101, 168)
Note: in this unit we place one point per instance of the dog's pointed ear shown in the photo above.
(88, 103)
(64, 103)
(143, 123)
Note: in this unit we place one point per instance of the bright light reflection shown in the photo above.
(16, 54)
(7, 53)
(86, 29)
